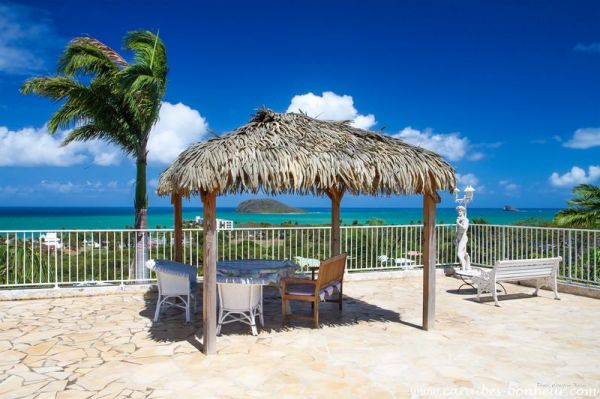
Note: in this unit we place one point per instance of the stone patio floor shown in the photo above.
(107, 346)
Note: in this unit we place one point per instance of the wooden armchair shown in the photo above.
(330, 278)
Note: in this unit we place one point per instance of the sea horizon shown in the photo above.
(119, 217)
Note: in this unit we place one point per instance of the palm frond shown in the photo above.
(109, 52)
(94, 131)
(84, 56)
(585, 208)
(148, 50)
(56, 88)
(574, 217)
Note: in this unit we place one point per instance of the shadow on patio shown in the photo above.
(487, 297)
(172, 327)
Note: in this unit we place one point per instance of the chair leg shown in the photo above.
(316, 313)
(495, 294)
(157, 312)
(187, 309)
(340, 297)
(555, 288)
(262, 319)
(537, 287)
(283, 311)
(220, 321)
(260, 316)
(253, 324)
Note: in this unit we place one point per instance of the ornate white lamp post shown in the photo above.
(462, 225)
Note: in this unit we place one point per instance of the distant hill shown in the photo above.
(265, 206)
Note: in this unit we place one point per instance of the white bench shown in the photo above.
(542, 270)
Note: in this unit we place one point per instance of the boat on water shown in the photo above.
(509, 208)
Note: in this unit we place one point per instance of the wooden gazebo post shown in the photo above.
(178, 226)
(429, 260)
(209, 300)
(335, 195)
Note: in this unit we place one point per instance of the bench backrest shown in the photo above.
(331, 270)
(526, 268)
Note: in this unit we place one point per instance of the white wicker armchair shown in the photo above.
(175, 280)
(239, 301)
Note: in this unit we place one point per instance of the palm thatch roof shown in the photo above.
(294, 153)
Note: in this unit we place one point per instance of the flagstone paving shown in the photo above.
(107, 346)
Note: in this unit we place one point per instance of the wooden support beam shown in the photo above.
(209, 302)
(335, 195)
(178, 225)
(429, 260)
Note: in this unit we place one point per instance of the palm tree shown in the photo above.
(104, 97)
(585, 208)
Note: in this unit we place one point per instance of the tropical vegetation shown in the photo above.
(584, 210)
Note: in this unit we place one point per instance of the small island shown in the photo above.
(265, 206)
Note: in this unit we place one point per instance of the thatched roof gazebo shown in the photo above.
(294, 153)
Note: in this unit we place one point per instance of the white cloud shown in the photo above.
(178, 127)
(26, 37)
(36, 147)
(65, 188)
(8, 191)
(584, 138)
(104, 154)
(468, 179)
(476, 156)
(575, 176)
(588, 48)
(452, 145)
(77, 187)
(510, 189)
(331, 106)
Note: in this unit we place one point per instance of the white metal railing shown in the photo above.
(579, 248)
(41, 258)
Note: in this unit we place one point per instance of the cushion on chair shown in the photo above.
(300, 289)
(309, 289)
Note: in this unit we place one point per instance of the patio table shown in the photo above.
(256, 271)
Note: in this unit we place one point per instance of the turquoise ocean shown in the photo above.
(39, 218)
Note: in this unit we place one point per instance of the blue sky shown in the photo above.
(508, 92)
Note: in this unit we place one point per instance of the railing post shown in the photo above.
(503, 243)
(55, 267)
(121, 249)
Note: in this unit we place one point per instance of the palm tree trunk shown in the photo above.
(141, 219)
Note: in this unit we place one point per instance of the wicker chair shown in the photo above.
(329, 279)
